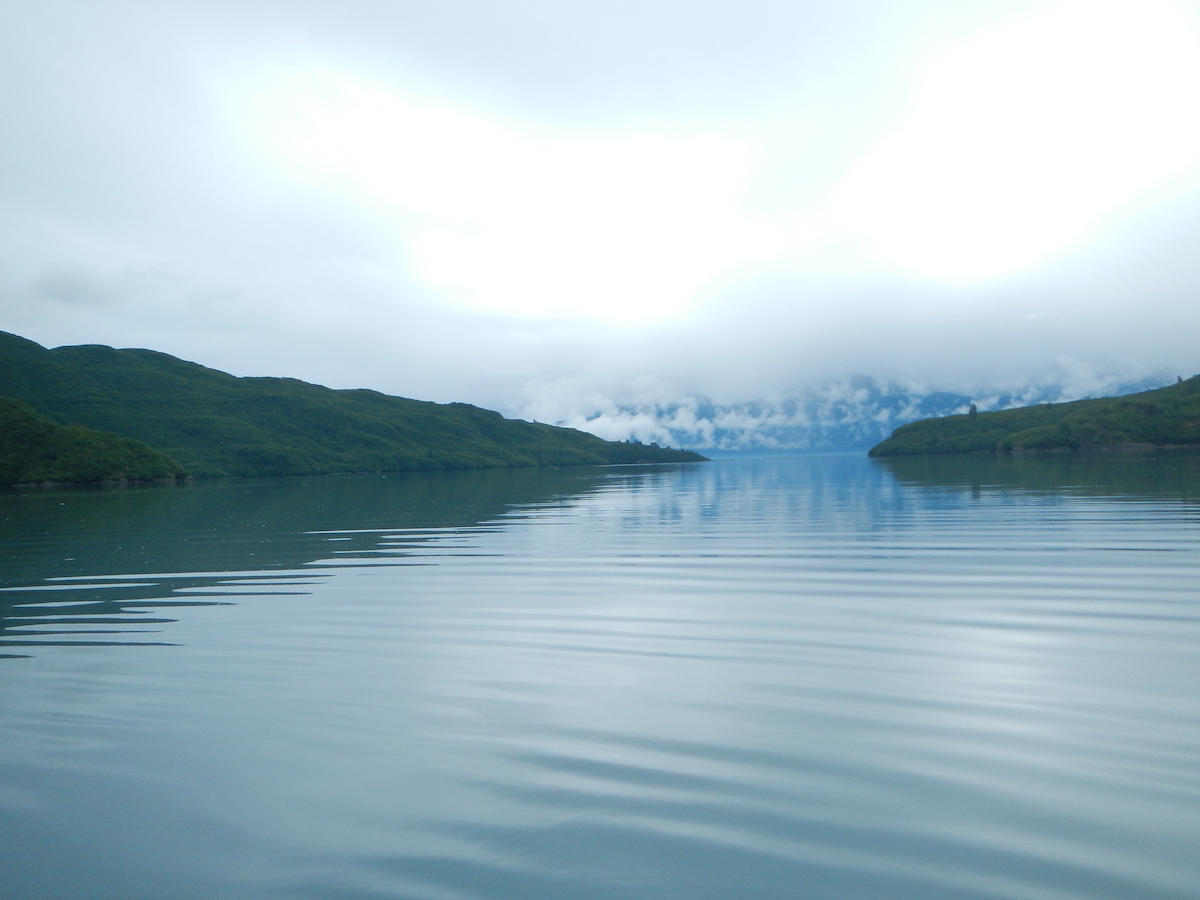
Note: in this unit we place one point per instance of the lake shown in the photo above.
(823, 677)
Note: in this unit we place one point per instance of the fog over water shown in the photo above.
(602, 214)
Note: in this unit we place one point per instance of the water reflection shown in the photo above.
(819, 677)
(1168, 473)
(67, 574)
(102, 566)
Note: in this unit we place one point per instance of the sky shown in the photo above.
(592, 212)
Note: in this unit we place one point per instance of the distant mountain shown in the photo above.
(215, 424)
(1168, 415)
(849, 414)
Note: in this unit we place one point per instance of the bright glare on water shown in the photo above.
(801, 678)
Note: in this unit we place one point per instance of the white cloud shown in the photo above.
(524, 220)
(854, 412)
(453, 201)
(1021, 141)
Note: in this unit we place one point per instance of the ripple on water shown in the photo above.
(793, 678)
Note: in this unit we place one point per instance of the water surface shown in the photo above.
(823, 677)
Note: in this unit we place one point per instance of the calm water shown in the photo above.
(825, 678)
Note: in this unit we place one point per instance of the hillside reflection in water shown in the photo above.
(824, 677)
(71, 551)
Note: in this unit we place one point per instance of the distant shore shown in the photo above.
(1163, 417)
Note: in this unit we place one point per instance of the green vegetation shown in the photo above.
(1164, 416)
(215, 424)
(35, 449)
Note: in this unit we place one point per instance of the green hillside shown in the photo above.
(1168, 415)
(216, 424)
(35, 449)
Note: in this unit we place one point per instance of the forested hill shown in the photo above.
(211, 423)
(1168, 415)
(35, 449)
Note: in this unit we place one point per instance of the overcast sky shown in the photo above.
(540, 206)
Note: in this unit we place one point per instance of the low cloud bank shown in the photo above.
(848, 414)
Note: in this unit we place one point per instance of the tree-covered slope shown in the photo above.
(216, 424)
(1168, 415)
(35, 449)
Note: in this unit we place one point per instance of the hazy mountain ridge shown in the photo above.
(852, 414)
(214, 424)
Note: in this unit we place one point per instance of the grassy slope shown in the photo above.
(216, 424)
(1169, 415)
(35, 449)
